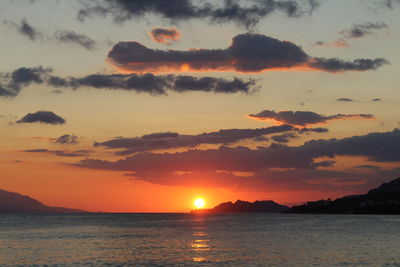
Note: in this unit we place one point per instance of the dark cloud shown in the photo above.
(72, 37)
(170, 140)
(360, 30)
(42, 117)
(225, 158)
(149, 83)
(67, 139)
(6, 93)
(156, 84)
(283, 138)
(165, 35)
(344, 99)
(246, 13)
(303, 118)
(247, 53)
(376, 99)
(11, 83)
(60, 153)
(25, 29)
(287, 166)
(337, 65)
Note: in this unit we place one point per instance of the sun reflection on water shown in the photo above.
(200, 244)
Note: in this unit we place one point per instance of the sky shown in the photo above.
(144, 106)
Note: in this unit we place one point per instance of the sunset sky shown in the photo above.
(146, 105)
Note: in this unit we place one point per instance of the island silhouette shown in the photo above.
(382, 200)
(245, 206)
(16, 203)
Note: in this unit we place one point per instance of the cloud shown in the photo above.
(148, 83)
(63, 36)
(357, 31)
(360, 30)
(60, 153)
(156, 85)
(288, 166)
(344, 99)
(335, 43)
(168, 140)
(284, 138)
(67, 139)
(337, 65)
(25, 29)
(6, 93)
(165, 35)
(265, 181)
(14, 81)
(303, 118)
(47, 117)
(371, 167)
(72, 37)
(376, 100)
(247, 53)
(234, 11)
(390, 3)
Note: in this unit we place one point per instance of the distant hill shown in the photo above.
(16, 203)
(383, 200)
(245, 206)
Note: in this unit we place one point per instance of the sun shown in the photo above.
(199, 203)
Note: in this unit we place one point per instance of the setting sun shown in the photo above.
(199, 203)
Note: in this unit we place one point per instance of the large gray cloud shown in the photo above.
(168, 140)
(382, 147)
(11, 83)
(247, 53)
(47, 117)
(303, 118)
(246, 13)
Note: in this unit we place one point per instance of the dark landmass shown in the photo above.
(382, 200)
(16, 203)
(245, 206)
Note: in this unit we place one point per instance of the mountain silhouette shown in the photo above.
(245, 206)
(382, 200)
(16, 203)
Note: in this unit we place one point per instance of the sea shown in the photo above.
(248, 239)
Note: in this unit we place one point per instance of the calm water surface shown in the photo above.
(199, 240)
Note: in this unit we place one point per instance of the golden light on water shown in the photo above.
(199, 203)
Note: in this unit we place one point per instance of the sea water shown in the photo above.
(248, 239)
